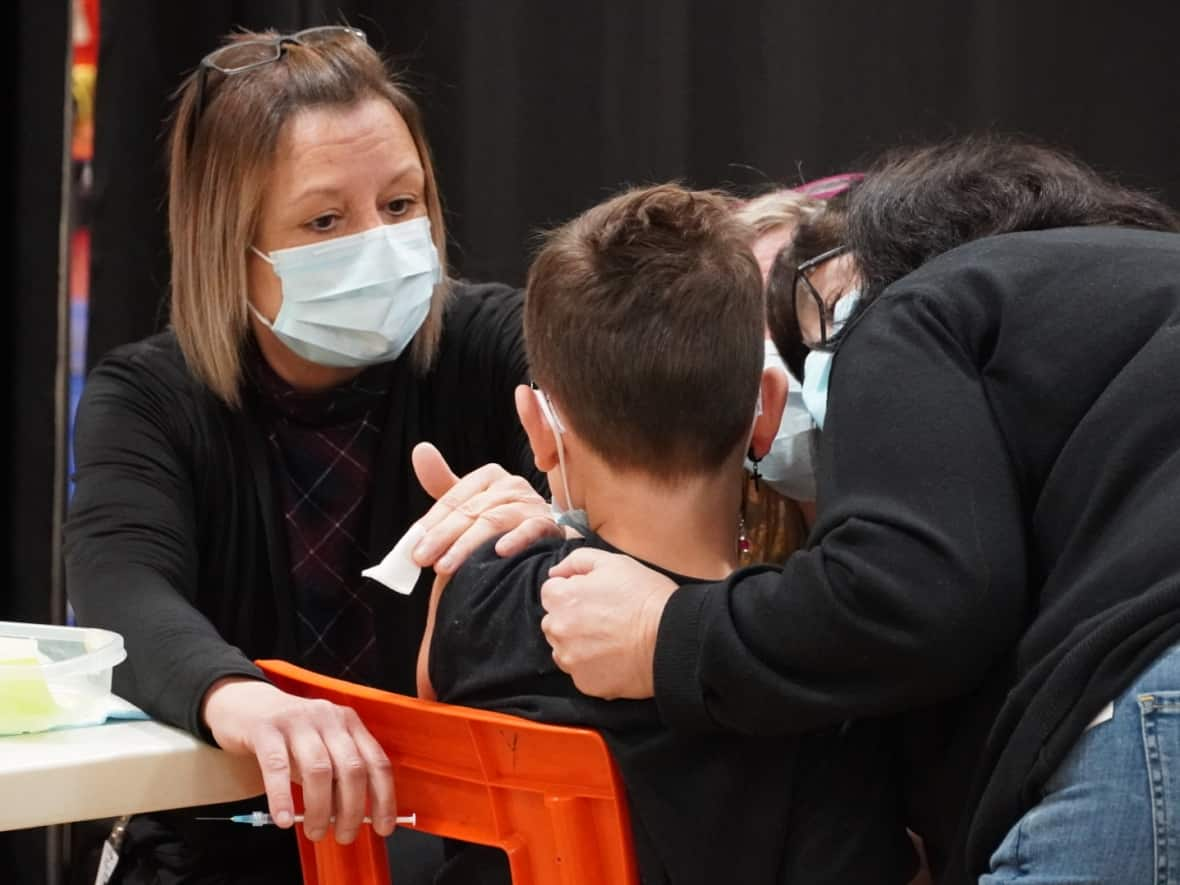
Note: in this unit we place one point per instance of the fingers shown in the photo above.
(313, 766)
(470, 511)
(460, 491)
(553, 637)
(581, 562)
(323, 747)
(558, 596)
(490, 524)
(602, 616)
(434, 543)
(270, 749)
(569, 644)
(441, 539)
(350, 779)
(382, 794)
(526, 534)
(508, 502)
(432, 470)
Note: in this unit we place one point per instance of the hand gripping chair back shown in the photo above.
(549, 796)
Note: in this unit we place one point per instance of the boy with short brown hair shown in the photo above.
(644, 324)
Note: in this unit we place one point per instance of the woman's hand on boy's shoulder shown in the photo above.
(602, 617)
(468, 512)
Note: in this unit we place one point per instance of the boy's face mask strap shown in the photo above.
(575, 518)
(558, 428)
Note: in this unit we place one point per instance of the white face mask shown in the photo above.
(817, 368)
(788, 467)
(575, 518)
(355, 300)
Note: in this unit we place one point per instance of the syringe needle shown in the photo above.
(262, 819)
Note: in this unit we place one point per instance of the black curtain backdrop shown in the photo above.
(538, 109)
(34, 112)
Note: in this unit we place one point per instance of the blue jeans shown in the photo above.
(1110, 815)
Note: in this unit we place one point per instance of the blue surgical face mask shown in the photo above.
(355, 300)
(787, 467)
(575, 518)
(817, 368)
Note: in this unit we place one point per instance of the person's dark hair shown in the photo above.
(821, 232)
(915, 204)
(644, 322)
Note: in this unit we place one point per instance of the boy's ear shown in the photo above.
(536, 428)
(774, 400)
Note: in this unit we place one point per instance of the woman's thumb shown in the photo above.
(432, 470)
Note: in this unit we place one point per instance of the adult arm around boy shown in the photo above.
(913, 586)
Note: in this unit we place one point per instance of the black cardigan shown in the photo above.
(996, 551)
(174, 536)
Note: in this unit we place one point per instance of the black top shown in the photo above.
(323, 446)
(705, 808)
(999, 522)
(174, 537)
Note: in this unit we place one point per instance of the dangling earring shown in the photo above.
(755, 462)
(743, 535)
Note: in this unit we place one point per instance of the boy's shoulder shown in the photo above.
(486, 573)
(487, 638)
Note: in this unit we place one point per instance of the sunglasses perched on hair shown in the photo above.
(809, 302)
(829, 186)
(236, 58)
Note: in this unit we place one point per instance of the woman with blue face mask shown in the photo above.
(812, 289)
(236, 473)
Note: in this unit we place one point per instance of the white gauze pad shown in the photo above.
(397, 570)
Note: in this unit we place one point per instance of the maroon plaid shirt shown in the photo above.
(323, 446)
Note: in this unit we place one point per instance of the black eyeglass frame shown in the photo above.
(278, 43)
(822, 309)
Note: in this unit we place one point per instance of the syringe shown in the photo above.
(262, 819)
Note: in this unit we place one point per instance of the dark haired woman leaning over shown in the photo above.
(236, 473)
(994, 358)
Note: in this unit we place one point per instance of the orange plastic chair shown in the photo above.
(550, 797)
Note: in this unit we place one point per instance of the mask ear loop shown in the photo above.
(262, 255)
(558, 429)
(254, 310)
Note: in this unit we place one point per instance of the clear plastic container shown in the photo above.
(52, 677)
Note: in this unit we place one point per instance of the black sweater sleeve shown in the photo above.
(130, 542)
(915, 578)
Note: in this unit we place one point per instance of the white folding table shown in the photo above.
(109, 770)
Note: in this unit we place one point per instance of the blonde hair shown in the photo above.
(775, 524)
(776, 208)
(221, 151)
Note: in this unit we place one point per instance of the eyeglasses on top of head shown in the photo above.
(829, 186)
(245, 55)
(807, 297)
